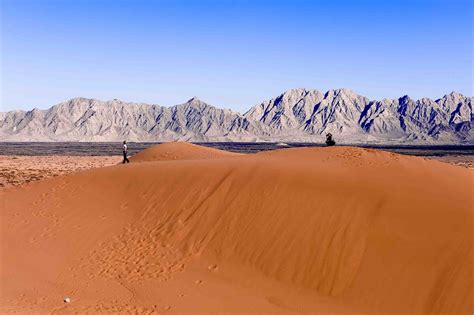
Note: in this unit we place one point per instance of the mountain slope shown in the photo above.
(295, 115)
(82, 119)
(354, 118)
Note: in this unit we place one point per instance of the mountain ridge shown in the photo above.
(295, 115)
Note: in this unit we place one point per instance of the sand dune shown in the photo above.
(199, 231)
(179, 150)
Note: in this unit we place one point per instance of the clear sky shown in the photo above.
(232, 54)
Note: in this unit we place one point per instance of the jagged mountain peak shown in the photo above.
(298, 93)
(195, 103)
(297, 114)
(79, 99)
(341, 92)
(295, 91)
(405, 99)
(426, 100)
(455, 94)
(194, 99)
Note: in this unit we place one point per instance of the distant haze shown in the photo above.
(231, 53)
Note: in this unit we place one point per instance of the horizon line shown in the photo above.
(265, 100)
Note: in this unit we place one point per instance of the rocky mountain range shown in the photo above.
(297, 115)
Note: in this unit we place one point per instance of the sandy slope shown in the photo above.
(16, 170)
(311, 230)
(179, 150)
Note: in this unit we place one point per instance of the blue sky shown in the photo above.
(231, 54)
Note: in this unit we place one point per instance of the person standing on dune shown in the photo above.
(125, 151)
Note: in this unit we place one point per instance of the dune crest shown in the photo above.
(179, 150)
(306, 230)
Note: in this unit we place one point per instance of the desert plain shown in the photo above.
(185, 229)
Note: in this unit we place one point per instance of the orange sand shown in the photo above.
(179, 151)
(17, 170)
(200, 231)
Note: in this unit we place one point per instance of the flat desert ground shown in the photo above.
(185, 229)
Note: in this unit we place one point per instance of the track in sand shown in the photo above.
(190, 230)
